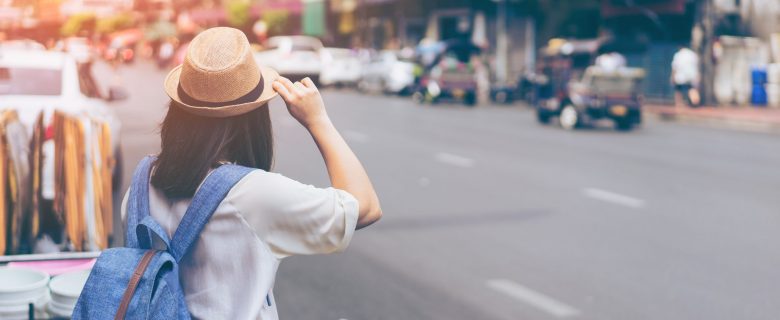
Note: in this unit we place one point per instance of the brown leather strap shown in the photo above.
(133, 284)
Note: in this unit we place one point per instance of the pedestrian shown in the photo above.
(685, 77)
(218, 114)
(611, 61)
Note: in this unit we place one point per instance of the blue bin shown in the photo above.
(758, 74)
(759, 97)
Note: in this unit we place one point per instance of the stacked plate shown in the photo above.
(65, 291)
(18, 289)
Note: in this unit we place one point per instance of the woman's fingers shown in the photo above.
(288, 84)
(282, 90)
(308, 83)
(300, 86)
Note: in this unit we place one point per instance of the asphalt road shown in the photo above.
(489, 215)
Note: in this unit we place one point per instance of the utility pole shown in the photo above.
(502, 42)
(705, 52)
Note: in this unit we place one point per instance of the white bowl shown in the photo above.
(59, 306)
(66, 288)
(21, 286)
(21, 311)
(56, 311)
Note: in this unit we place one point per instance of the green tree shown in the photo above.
(238, 13)
(114, 23)
(78, 23)
(276, 20)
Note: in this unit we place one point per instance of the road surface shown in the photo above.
(489, 215)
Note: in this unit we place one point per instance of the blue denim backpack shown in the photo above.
(137, 281)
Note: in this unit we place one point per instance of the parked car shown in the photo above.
(36, 81)
(387, 72)
(599, 94)
(452, 75)
(22, 44)
(294, 57)
(339, 67)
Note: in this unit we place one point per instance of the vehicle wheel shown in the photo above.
(623, 124)
(116, 176)
(470, 99)
(418, 97)
(570, 118)
(542, 117)
(501, 97)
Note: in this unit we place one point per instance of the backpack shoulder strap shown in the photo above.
(138, 201)
(204, 203)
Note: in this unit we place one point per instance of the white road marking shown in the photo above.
(454, 160)
(355, 136)
(533, 298)
(613, 197)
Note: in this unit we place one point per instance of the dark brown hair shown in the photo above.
(192, 145)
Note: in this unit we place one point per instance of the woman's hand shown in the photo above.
(303, 101)
(346, 173)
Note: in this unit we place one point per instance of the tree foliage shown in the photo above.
(78, 23)
(114, 23)
(238, 13)
(276, 20)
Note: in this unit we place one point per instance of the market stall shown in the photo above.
(55, 210)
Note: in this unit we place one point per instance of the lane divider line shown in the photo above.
(612, 197)
(454, 160)
(355, 136)
(538, 300)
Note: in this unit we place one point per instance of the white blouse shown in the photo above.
(265, 217)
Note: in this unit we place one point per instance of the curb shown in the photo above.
(715, 122)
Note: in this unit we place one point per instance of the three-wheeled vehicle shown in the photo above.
(452, 75)
(578, 93)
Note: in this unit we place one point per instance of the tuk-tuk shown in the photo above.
(570, 88)
(451, 75)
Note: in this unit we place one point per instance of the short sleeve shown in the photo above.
(295, 218)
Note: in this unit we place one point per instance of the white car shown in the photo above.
(295, 57)
(340, 66)
(77, 47)
(386, 72)
(34, 81)
(23, 44)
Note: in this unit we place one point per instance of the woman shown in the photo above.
(219, 114)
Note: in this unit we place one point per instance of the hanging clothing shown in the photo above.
(35, 160)
(17, 152)
(4, 225)
(69, 173)
(106, 169)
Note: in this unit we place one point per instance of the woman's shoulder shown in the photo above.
(263, 189)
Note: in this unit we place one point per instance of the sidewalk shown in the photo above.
(737, 118)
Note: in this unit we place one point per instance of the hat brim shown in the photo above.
(268, 75)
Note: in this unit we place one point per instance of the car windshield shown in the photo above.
(30, 81)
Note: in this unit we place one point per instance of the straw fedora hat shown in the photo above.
(219, 76)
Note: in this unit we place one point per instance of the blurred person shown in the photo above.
(685, 77)
(611, 61)
(165, 54)
(219, 114)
